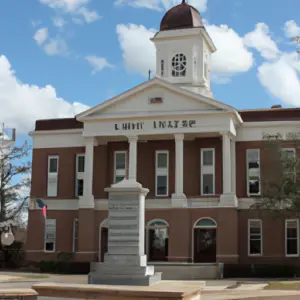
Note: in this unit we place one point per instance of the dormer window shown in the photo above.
(179, 65)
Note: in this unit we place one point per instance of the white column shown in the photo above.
(87, 201)
(179, 164)
(226, 164)
(233, 166)
(132, 157)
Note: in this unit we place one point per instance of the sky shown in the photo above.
(59, 57)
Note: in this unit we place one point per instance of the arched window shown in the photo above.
(204, 241)
(157, 240)
(179, 65)
(157, 223)
(206, 223)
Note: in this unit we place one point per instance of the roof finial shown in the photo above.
(183, 1)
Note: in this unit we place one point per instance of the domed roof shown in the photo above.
(181, 16)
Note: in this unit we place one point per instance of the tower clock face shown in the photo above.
(179, 65)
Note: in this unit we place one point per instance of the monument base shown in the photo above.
(111, 274)
(125, 262)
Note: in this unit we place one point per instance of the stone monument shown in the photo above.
(125, 263)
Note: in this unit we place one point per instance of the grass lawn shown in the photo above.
(283, 285)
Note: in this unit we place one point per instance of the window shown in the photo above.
(291, 237)
(75, 235)
(53, 164)
(162, 67)
(52, 176)
(50, 235)
(255, 237)
(162, 173)
(120, 166)
(288, 157)
(157, 240)
(80, 162)
(179, 65)
(207, 171)
(253, 171)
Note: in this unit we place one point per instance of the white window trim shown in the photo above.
(74, 239)
(52, 175)
(203, 173)
(285, 237)
(49, 158)
(162, 172)
(261, 237)
(247, 170)
(79, 175)
(115, 164)
(54, 243)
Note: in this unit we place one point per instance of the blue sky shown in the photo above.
(58, 55)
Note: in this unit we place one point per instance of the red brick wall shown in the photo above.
(104, 167)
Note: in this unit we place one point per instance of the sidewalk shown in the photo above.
(209, 285)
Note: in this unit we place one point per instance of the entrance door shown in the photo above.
(205, 248)
(104, 241)
(158, 244)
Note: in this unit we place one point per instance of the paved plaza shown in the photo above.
(214, 289)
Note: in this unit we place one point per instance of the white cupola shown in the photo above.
(183, 50)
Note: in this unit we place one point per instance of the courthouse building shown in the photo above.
(200, 158)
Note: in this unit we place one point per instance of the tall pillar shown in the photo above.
(226, 164)
(132, 157)
(179, 198)
(87, 200)
(86, 214)
(228, 197)
(233, 166)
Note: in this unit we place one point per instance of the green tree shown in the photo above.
(280, 173)
(15, 169)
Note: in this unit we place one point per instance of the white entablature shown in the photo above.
(158, 107)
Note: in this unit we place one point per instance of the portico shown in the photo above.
(178, 197)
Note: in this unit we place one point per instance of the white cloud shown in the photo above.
(281, 78)
(138, 51)
(160, 5)
(73, 7)
(261, 40)
(231, 57)
(22, 104)
(56, 46)
(98, 63)
(41, 35)
(51, 46)
(291, 29)
(139, 55)
(59, 22)
(36, 23)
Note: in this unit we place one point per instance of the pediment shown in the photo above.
(154, 96)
